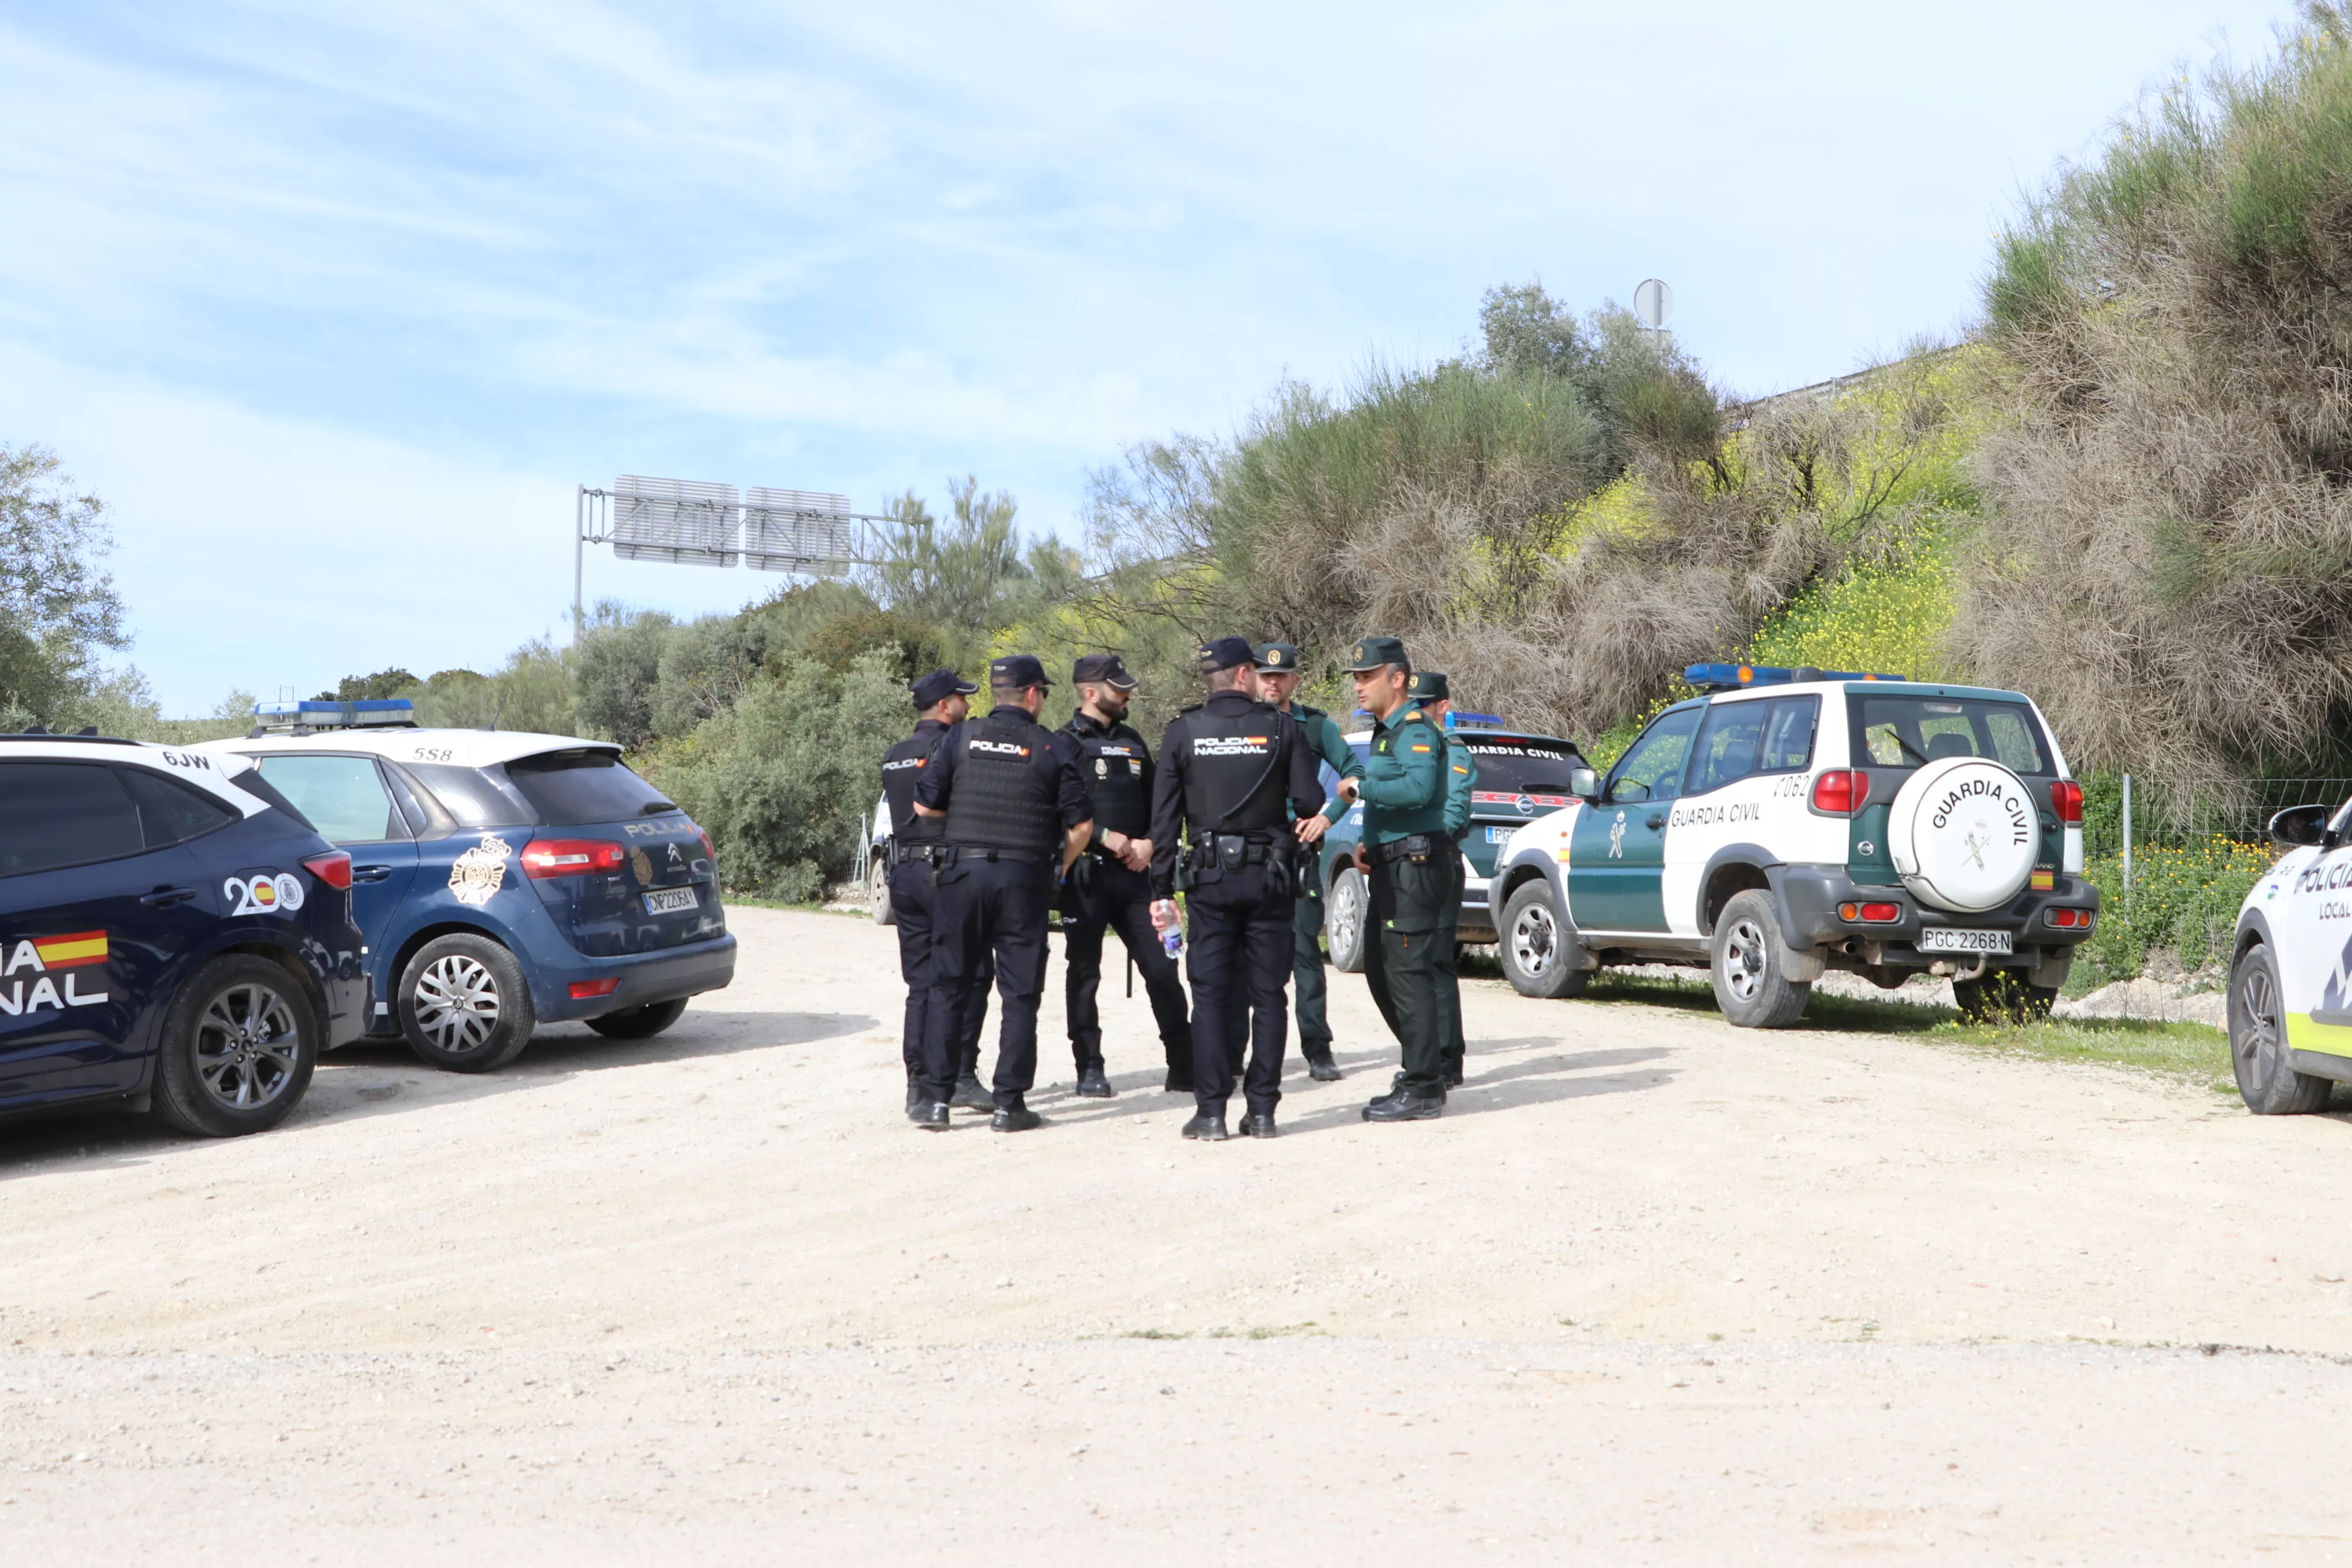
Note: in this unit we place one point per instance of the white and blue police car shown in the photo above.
(501, 879)
(174, 937)
(1788, 822)
(2290, 1003)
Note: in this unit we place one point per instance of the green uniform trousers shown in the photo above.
(1309, 984)
(1412, 918)
(1449, 971)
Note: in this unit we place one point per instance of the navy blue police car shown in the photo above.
(174, 937)
(502, 879)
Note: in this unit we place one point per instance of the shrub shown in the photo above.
(2184, 897)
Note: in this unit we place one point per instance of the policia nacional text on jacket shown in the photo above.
(1017, 813)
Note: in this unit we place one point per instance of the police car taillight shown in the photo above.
(1840, 792)
(334, 869)
(708, 849)
(2066, 800)
(544, 858)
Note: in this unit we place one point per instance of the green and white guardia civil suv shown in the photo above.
(1789, 822)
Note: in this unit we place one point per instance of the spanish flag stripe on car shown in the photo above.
(83, 947)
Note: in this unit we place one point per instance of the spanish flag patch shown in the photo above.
(1421, 748)
(74, 952)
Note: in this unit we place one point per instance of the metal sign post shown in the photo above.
(691, 522)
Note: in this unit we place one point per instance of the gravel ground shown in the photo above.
(1654, 1291)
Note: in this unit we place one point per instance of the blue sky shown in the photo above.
(336, 304)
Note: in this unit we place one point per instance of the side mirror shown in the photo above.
(2299, 826)
(1583, 782)
(1629, 789)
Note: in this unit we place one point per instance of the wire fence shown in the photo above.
(2161, 815)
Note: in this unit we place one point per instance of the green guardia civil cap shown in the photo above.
(1372, 653)
(1429, 686)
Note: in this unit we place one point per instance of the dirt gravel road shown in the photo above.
(1654, 1291)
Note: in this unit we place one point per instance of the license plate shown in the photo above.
(1499, 835)
(1944, 939)
(669, 900)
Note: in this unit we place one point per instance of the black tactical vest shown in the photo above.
(902, 770)
(1236, 781)
(1004, 795)
(1115, 765)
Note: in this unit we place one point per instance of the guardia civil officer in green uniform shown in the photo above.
(1406, 857)
(1436, 698)
(1277, 682)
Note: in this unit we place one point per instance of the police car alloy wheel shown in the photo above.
(1963, 833)
(1540, 958)
(464, 1005)
(1343, 920)
(238, 1046)
(2267, 1081)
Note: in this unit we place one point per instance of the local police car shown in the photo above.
(1521, 776)
(502, 879)
(172, 936)
(1790, 822)
(2290, 1003)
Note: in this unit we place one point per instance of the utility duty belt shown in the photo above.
(905, 850)
(1414, 846)
(1232, 851)
(951, 853)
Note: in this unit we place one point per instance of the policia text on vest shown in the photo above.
(1015, 814)
(1233, 775)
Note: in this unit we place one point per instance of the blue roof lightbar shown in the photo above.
(1738, 676)
(371, 712)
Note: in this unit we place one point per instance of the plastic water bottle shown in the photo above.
(1172, 939)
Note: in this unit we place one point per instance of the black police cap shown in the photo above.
(939, 686)
(1226, 653)
(1020, 670)
(1103, 669)
(1372, 653)
(1429, 686)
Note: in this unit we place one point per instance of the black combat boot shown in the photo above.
(969, 1096)
(930, 1115)
(1017, 1119)
(1092, 1084)
(1323, 1069)
(1208, 1129)
(1258, 1124)
(1399, 1106)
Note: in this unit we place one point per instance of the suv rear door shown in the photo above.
(619, 867)
(95, 927)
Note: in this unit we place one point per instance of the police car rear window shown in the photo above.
(473, 797)
(1512, 766)
(64, 813)
(574, 789)
(1912, 731)
(170, 812)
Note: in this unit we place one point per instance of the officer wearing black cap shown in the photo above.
(1109, 887)
(914, 840)
(1278, 676)
(1406, 856)
(1430, 689)
(1233, 775)
(1015, 816)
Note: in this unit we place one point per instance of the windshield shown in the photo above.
(1516, 764)
(574, 789)
(1911, 731)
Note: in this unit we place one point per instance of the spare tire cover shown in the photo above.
(1963, 833)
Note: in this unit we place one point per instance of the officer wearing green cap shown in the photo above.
(1277, 681)
(1406, 856)
(1436, 698)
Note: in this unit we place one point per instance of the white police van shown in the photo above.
(1793, 821)
(2291, 981)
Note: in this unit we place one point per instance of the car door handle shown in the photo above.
(164, 898)
(1655, 823)
(370, 873)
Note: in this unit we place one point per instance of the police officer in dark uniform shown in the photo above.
(1015, 816)
(1233, 774)
(1431, 689)
(1408, 860)
(1109, 887)
(939, 703)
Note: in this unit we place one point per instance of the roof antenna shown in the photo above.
(498, 713)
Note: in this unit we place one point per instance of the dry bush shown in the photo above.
(2171, 490)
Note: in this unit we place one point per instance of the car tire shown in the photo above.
(877, 889)
(464, 1005)
(2003, 996)
(1538, 946)
(237, 1049)
(2267, 1081)
(1750, 986)
(640, 1023)
(1347, 909)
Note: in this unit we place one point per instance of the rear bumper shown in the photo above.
(1809, 896)
(643, 977)
(347, 1010)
